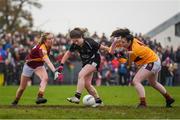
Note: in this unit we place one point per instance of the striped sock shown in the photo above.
(78, 95)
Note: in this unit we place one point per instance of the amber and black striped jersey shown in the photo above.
(141, 54)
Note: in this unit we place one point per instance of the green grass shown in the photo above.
(120, 102)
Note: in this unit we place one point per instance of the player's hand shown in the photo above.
(60, 69)
(120, 54)
(58, 76)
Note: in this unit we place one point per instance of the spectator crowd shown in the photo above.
(14, 48)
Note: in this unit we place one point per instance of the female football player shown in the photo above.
(89, 53)
(34, 63)
(148, 61)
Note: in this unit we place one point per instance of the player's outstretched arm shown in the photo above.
(49, 63)
(112, 47)
(104, 48)
(65, 57)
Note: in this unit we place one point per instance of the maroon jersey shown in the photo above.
(35, 58)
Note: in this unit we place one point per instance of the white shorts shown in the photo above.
(155, 67)
(28, 71)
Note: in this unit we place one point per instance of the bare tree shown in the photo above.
(14, 14)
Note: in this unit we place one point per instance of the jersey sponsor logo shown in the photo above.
(85, 56)
(137, 59)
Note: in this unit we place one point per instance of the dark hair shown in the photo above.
(76, 34)
(120, 32)
(83, 30)
(129, 37)
(78, 29)
(123, 33)
(44, 37)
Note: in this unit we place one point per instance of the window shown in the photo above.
(177, 29)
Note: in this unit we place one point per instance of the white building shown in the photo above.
(167, 33)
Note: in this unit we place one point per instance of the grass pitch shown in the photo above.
(120, 102)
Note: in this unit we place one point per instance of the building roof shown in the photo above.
(171, 21)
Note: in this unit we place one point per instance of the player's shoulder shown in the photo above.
(43, 48)
(41, 45)
(88, 39)
(91, 41)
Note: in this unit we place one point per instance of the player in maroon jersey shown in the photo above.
(34, 63)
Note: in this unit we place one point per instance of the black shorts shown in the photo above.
(95, 62)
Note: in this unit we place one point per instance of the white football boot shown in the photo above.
(73, 100)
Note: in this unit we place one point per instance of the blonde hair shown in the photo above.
(43, 37)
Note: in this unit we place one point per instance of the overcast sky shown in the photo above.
(103, 15)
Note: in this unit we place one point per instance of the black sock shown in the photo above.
(78, 95)
(98, 100)
(15, 101)
(167, 96)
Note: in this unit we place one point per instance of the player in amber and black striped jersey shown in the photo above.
(148, 61)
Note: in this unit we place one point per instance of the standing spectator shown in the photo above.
(123, 79)
(132, 72)
(177, 71)
(178, 55)
(9, 80)
(168, 71)
(168, 53)
(3, 53)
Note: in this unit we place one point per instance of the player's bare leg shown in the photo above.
(140, 76)
(81, 82)
(20, 90)
(92, 91)
(155, 84)
(42, 74)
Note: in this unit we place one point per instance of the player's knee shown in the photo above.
(134, 82)
(45, 79)
(81, 76)
(152, 83)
